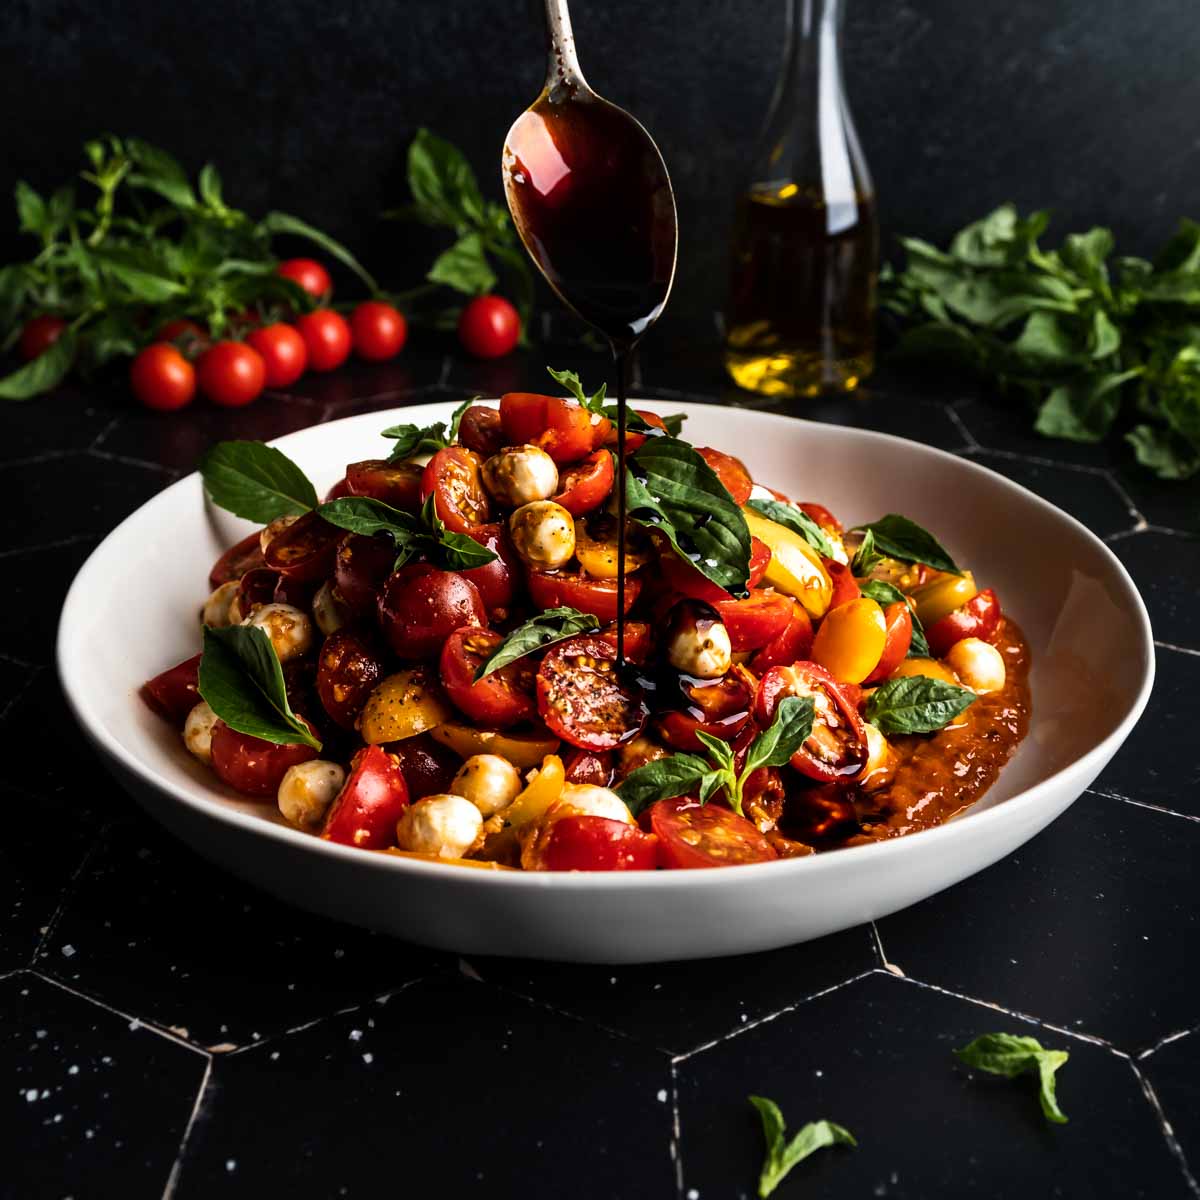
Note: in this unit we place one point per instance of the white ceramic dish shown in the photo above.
(131, 612)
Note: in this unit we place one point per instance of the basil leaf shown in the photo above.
(278, 222)
(798, 521)
(1009, 1055)
(416, 439)
(884, 594)
(41, 374)
(662, 779)
(866, 557)
(256, 481)
(780, 1157)
(788, 731)
(712, 782)
(719, 751)
(242, 681)
(365, 515)
(670, 488)
(898, 537)
(545, 629)
(916, 704)
(451, 551)
(442, 183)
(456, 419)
(571, 381)
(464, 267)
(674, 423)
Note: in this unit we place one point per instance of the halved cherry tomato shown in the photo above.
(792, 645)
(305, 549)
(720, 708)
(480, 430)
(898, 618)
(730, 471)
(821, 515)
(836, 750)
(421, 606)
(977, 618)
(428, 766)
(237, 560)
(397, 484)
(498, 580)
(348, 669)
(553, 589)
(298, 593)
(582, 698)
(249, 764)
(941, 595)
(563, 428)
(851, 640)
(256, 588)
(694, 835)
(452, 477)
(589, 843)
(682, 577)
(633, 438)
(758, 619)
(361, 567)
(589, 766)
(498, 700)
(587, 484)
(174, 693)
(403, 705)
(845, 586)
(639, 640)
(371, 801)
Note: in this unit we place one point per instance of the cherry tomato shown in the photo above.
(348, 668)
(284, 354)
(480, 430)
(237, 560)
(583, 699)
(821, 515)
(977, 618)
(639, 640)
(681, 577)
(563, 428)
(249, 764)
(39, 335)
(379, 330)
(339, 489)
(361, 566)
(309, 274)
(174, 693)
(720, 708)
(941, 595)
(161, 378)
(634, 439)
(898, 619)
(589, 843)
(498, 580)
(327, 337)
(845, 586)
(851, 639)
(758, 619)
(586, 485)
(554, 589)
(256, 588)
(231, 374)
(498, 700)
(792, 645)
(420, 607)
(730, 471)
(304, 550)
(428, 766)
(489, 327)
(397, 484)
(694, 835)
(371, 801)
(836, 750)
(188, 336)
(589, 766)
(453, 478)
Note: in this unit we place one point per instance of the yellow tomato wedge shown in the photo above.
(598, 554)
(924, 666)
(403, 705)
(850, 640)
(795, 567)
(942, 595)
(523, 750)
(542, 790)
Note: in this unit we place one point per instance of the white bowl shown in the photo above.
(131, 612)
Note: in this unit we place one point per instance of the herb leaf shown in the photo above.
(548, 627)
(866, 557)
(256, 481)
(451, 551)
(898, 537)
(569, 380)
(1009, 1055)
(884, 594)
(665, 778)
(41, 374)
(242, 681)
(674, 423)
(788, 731)
(417, 439)
(798, 521)
(780, 1157)
(916, 704)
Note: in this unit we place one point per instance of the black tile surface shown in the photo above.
(35, 583)
(1173, 1071)
(1165, 568)
(999, 423)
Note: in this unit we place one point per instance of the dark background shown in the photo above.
(1087, 106)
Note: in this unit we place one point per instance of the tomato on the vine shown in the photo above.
(162, 378)
(190, 337)
(309, 274)
(284, 354)
(489, 327)
(379, 330)
(231, 374)
(39, 335)
(327, 337)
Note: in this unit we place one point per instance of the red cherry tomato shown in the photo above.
(588, 843)
(39, 335)
(420, 607)
(309, 274)
(231, 374)
(583, 699)
(586, 485)
(256, 588)
(821, 515)
(327, 337)
(241, 557)
(758, 619)
(977, 618)
(720, 708)
(298, 593)
(760, 559)
(639, 640)
(589, 766)
(489, 327)
(480, 430)
(682, 577)
(836, 750)
(371, 801)
(845, 586)
(694, 835)
(249, 764)
(563, 428)
(379, 330)
(453, 478)
(161, 378)
(348, 668)
(339, 489)
(898, 619)
(304, 550)
(397, 484)
(497, 700)
(498, 580)
(174, 693)
(730, 471)
(792, 645)
(284, 354)
(554, 589)
(187, 336)
(633, 438)
(428, 766)
(361, 566)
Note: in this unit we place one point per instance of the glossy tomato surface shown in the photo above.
(348, 668)
(428, 766)
(793, 644)
(563, 428)
(845, 586)
(898, 620)
(503, 698)
(174, 693)
(498, 581)
(284, 354)
(373, 799)
(452, 477)
(420, 606)
(231, 374)
(237, 560)
(480, 430)
(162, 379)
(720, 708)
(589, 843)
(584, 700)
(730, 471)
(692, 835)
(978, 618)
(306, 549)
(379, 330)
(586, 485)
(755, 621)
(361, 567)
(327, 338)
(397, 484)
(309, 274)
(250, 765)
(489, 327)
(553, 589)
(589, 766)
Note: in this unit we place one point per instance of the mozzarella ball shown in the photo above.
(218, 607)
(697, 642)
(290, 630)
(978, 665)
(329, 610)
(445, 825)
(587, 799)
(543, 534)
(307, 790)
(490, 782)
(520, 475)
(197, 731)
(273, 530)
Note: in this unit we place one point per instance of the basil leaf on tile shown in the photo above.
(790, 516)
(898, 537)
(916, 704)
(884, 594)
(256, 481)
(1010, 1055)
(547, 628)
(782, 1156)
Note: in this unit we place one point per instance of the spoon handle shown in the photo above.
(562, 66)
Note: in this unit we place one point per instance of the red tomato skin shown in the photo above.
(821, 515)
(309, 274)
(190, 337)
(563, 428)
(397, 484)
(549, 589)
(379, 331)
(361, 566)
(498, 581)
(489, 327)
(586, 486)
(231, 374)
(284, 354)
(589, 766)
(174, 693)
(428, 766)
(339, 489)
(480, 430)
(498, 700)
(730, 471)
(452, 476)
(726, 840)
(634, 439)
(39, 334)
(348, 668)
(845, 586)
(588, 843)
(371, 801)
(639, 640)
(420, 607)
(898, 620)
(250, 765)
(566, 711)
(306, 550)
(977, 618)
(327, 337)
(162, 379)
(241, 557)
(755, 621)
(720, 708)
(794, 644)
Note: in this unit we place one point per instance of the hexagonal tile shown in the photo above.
(1006, 423)
(35, 582)
(1165, 567)
(1166, 502)
(1174, 1073)
(71, 420)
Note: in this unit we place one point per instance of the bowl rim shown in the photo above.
(967, 824)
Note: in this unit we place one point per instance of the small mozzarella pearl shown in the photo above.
(445, 825)
(307, 790)
(218, 608)
(520, 475)
(329, 610)
(490, 782)
(290, 630)
(588, 799)
(543, 534)
(197, 731)
(698, 644)
(978, 664)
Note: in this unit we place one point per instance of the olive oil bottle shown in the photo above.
(800, 317)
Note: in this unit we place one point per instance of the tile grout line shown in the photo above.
(1168, 1131)
(129, 461)
(1165, 1041)
(956, 420)
(1140, 522)
(1158, 808)
(676, 1137)
(75, 539)
(1039, 461)
(17, 696)
(884, 964)
(99, 439)
(1177, 649)
(68, 894)
(34, 460)
(198, 1104)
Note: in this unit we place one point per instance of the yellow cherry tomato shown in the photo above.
(924, 666)
(403, 705)
(596, 547)
(540, 793)
(523, 750)
(942, 595)
(795, 567)
(850, 640)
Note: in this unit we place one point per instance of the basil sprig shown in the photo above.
(782, 1156)
(596, 403)
(916, 704)
(546, 629)
(242, 681)
(679, 774)
(866, 557)
(573, 384)
(419, 439)
(898, 537)
(790, 516)
(256, 481)
(670, 488)
(886, 593)
(1010, 1055)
